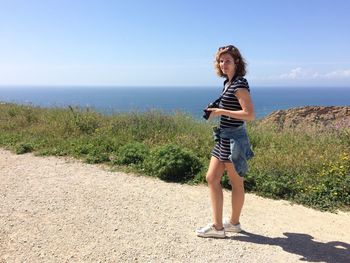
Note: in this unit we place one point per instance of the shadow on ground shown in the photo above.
(303, 245)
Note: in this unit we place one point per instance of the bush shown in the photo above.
(330, 188)
(86, 122)
(23, 148)
(131, 153)
(97, 156)
(172, 163)
(55, 150)
(83, 148)
(274, 185)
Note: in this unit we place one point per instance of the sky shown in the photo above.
(294, 43)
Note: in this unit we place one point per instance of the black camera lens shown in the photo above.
(206, 114)
(210, 105)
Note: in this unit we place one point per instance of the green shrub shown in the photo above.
(132, 153)
(83, 148)
(10, 139)
(172, 163)
(330, 188)
(97, 156)
(13, 112)
(23, 148)
(56, 151)
(225, 181)
(86, 122)
(94, 149)
(274, 185)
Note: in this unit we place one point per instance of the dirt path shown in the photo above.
(61, 210)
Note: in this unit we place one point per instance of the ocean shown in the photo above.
(191, 100)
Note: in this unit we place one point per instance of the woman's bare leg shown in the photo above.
(237, 183)
(214, 174)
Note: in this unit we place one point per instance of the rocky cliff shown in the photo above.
(335, 117)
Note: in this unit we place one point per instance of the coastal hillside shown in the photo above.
(335, 117)
(308, 166)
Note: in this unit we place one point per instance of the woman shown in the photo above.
(232, 149)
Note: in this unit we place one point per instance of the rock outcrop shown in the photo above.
(335, 117)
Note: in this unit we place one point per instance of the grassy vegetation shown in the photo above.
(306, 166)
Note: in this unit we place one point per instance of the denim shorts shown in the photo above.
(240, 147)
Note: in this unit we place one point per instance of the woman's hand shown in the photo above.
(214, 112)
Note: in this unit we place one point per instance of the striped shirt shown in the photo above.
(229, 101)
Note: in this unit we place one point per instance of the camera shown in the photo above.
(206, 114)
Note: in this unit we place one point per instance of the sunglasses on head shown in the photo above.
(228, 48)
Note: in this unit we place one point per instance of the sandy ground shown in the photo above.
(61, 210)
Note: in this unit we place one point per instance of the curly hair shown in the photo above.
(237, 57)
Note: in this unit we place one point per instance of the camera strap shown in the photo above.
(227, 85)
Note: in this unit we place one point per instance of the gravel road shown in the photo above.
(62, 210)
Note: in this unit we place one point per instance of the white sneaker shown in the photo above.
(231, 227)
(210, 231)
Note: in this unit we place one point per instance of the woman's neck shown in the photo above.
(230, 77)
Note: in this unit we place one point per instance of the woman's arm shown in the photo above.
(247, 112)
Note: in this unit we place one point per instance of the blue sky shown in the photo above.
(172, 43)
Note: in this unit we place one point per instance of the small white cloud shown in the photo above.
(338, 74)
(309, 74)
(293, 74)
(316, 75)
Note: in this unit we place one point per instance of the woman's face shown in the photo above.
(227, 64)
